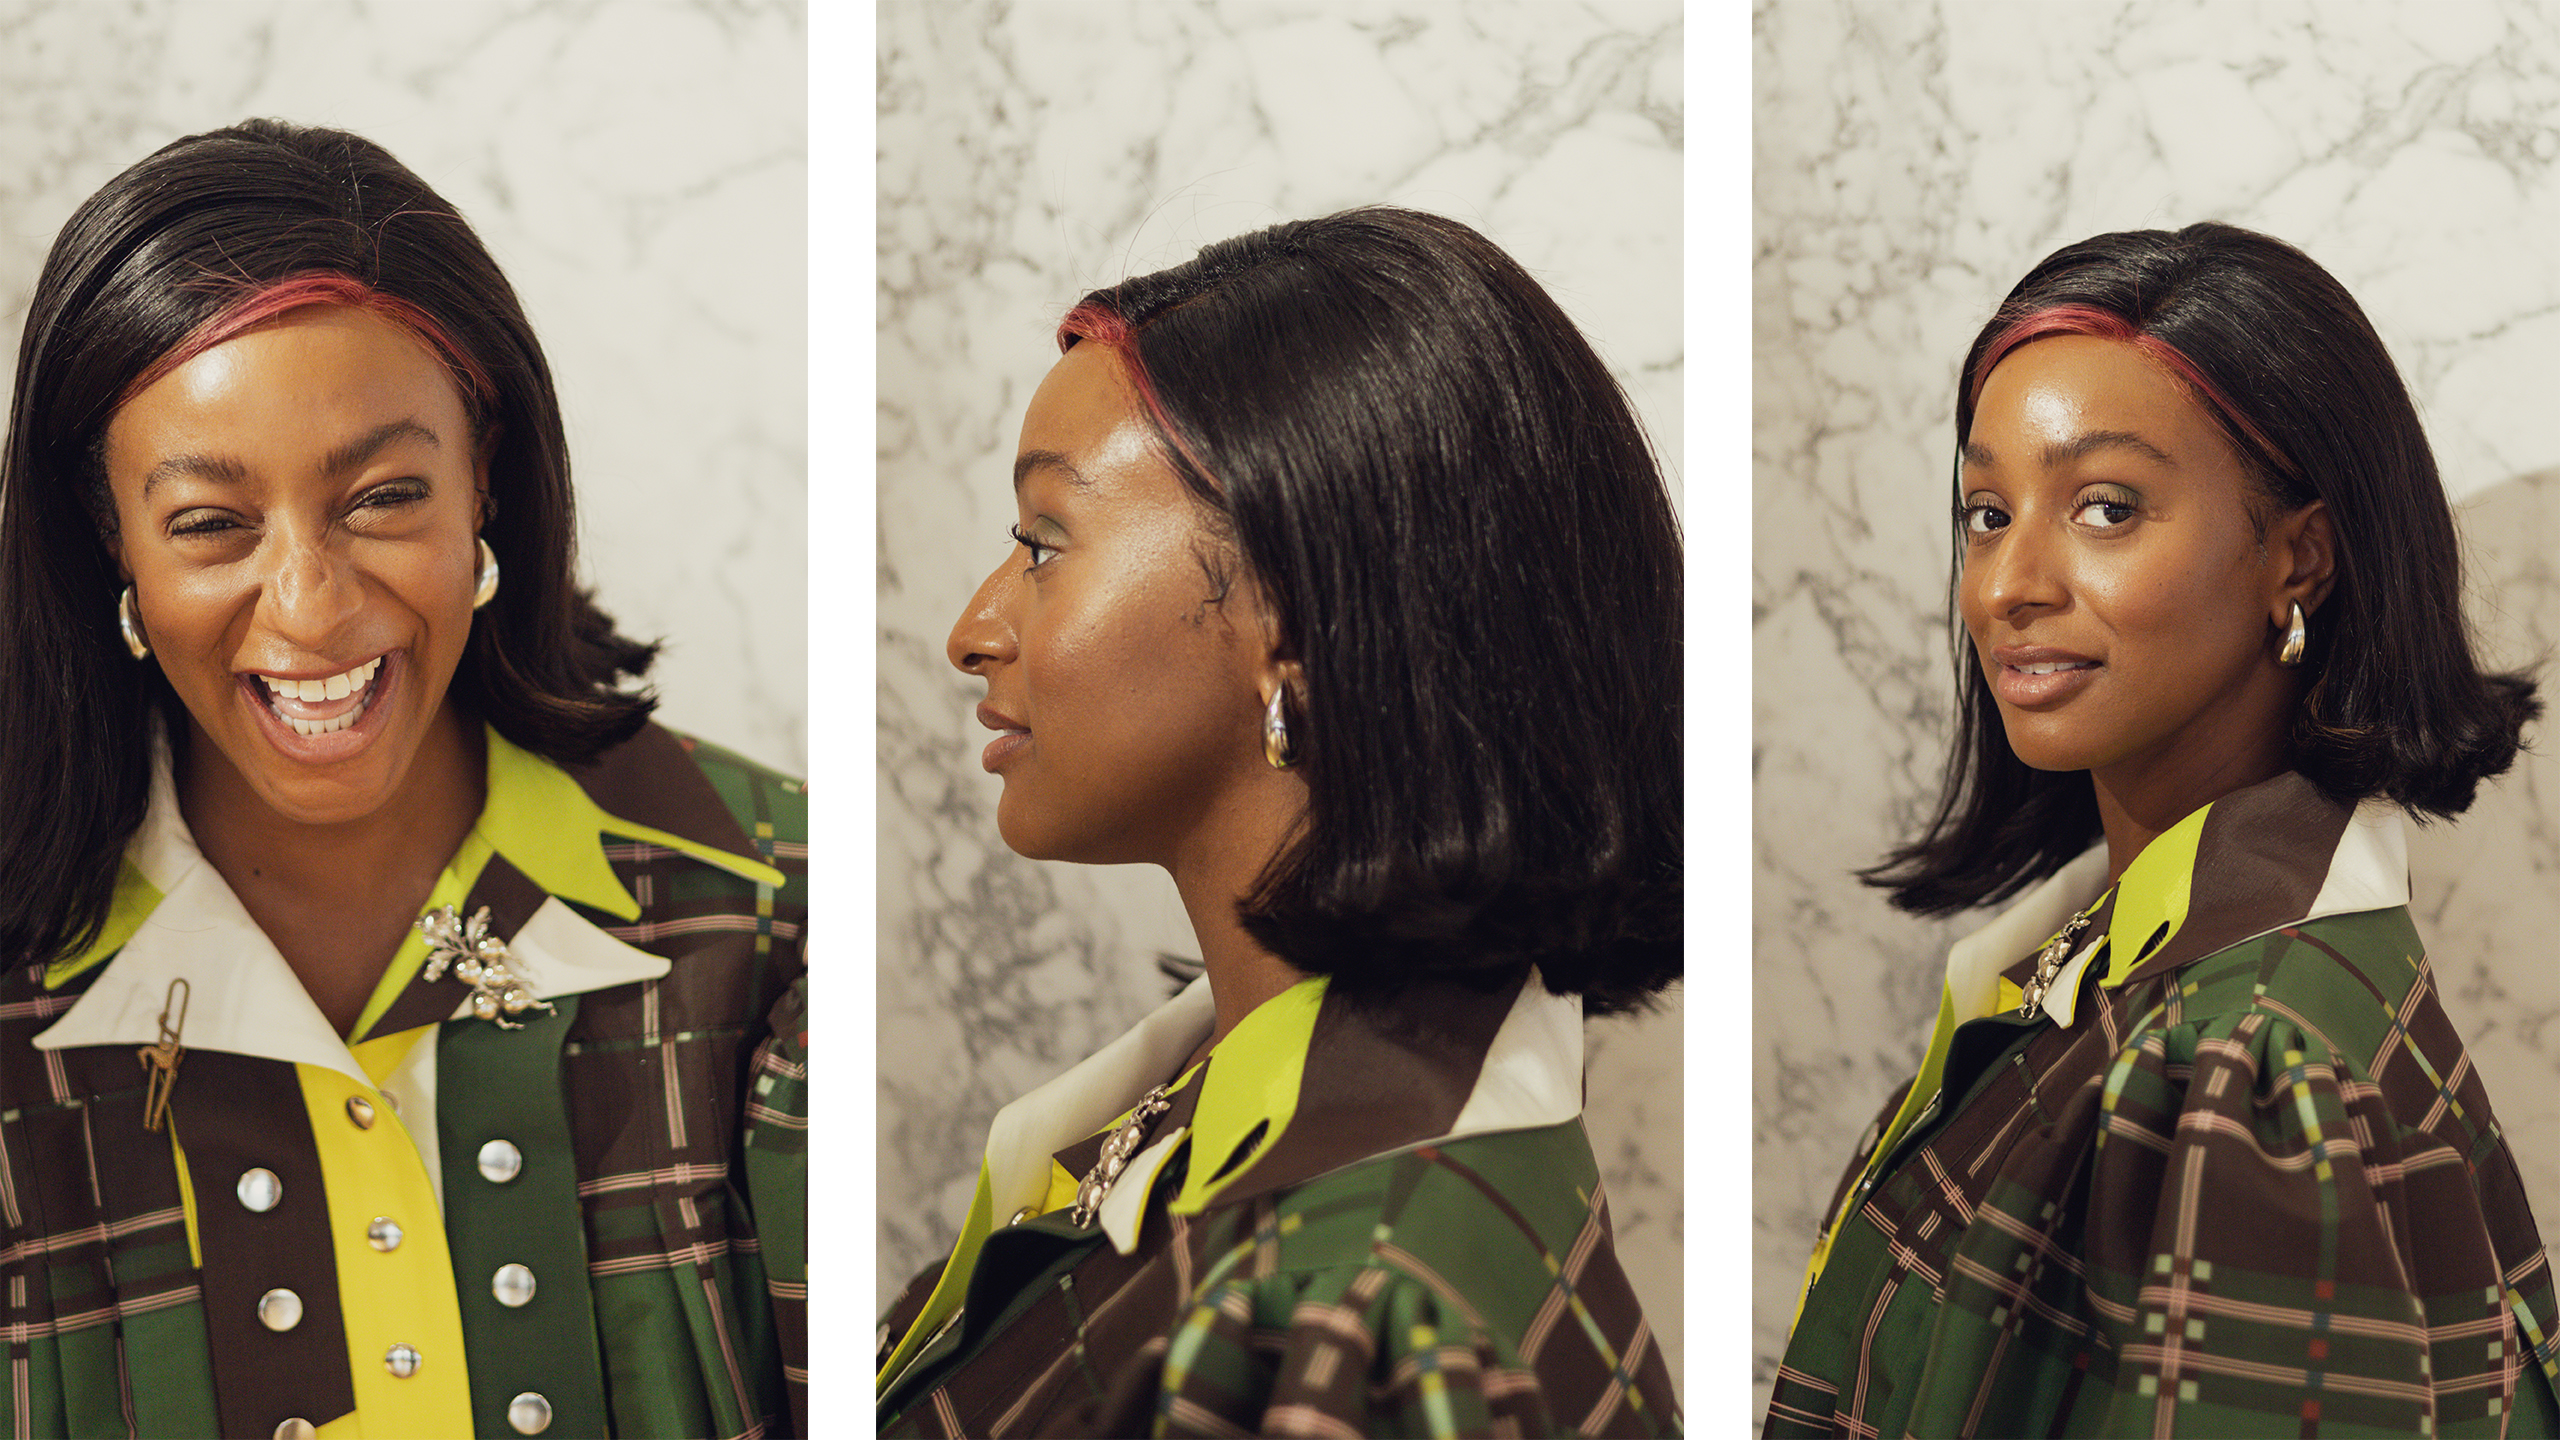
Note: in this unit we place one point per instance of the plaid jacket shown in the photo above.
(1352, 1221)
(2239, 1178)
(620, 1181)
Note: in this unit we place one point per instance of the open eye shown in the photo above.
(2105, 510)
(1039, 553)
(1981, 517)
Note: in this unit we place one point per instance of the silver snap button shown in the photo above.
(513, 1285)
(296, 1428)
(1025, 1213)
(259, 1190)
(279, 1310)
(500, 1160)
(384, 1234)
(529, 1413)
(401, 1360)
(360, 1110)
(391, 1099)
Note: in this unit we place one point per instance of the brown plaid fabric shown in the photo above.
(2255, 1188)
(1465, 1287)
(662, 1130)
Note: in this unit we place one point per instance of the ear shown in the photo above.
(1277, 664)
(2302, 560)
(484, 451)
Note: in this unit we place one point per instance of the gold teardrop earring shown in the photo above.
(129, 624)
(2297, 638)
(1276, 746)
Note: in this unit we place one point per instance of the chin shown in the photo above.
(317, 800)
(1034, 835)
(2040, 751)
(1021, 834)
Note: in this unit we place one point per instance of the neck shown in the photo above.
(1213, 875)
(2135, 810)
(337, 898)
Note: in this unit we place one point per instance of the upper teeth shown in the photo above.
(336, 687)
(2047, 667)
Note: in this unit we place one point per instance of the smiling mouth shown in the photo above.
(322, 706)
(2054, 667)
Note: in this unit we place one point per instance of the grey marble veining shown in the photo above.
(1028, 153)
(1910, 162)
(640, 172)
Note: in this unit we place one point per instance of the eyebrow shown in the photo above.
(222, 469)
(1030, 460)
(2063, 452)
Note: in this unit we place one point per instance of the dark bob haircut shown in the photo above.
(1459, 525)
(209, 236)
(2279, 355)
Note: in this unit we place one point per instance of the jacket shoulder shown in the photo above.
(693, 788)
(1474, 1212)
(2344, 979)
(755, 793)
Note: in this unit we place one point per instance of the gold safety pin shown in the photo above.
(160, 1061)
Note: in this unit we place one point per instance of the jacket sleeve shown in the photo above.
(776, 1133)
(2283, 1237)
(1358, 1351)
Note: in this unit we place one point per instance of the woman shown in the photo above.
(468, 1000)
(1345, 589)
(2194, 1149)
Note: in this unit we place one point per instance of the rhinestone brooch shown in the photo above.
(2049, 964)
(479, 960)
(1116, 1152)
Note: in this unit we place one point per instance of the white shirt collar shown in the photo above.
(242, 997)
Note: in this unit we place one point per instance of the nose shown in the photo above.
(2021, 575)
(310, 592)
(985, 633)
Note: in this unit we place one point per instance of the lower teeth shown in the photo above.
(328, 727)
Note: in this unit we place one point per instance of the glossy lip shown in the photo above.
(2013, 686)
(1015, 739)
(337, 745)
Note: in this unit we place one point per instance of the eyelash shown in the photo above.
(1039, 553)
(1966, 514)
(2111, 502)
(398, 492)
(380, 497)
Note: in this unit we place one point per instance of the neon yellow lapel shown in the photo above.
(2152, 896)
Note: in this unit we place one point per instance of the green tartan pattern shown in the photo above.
(663, 1128)
(2259, 1194)
(1465, 1288)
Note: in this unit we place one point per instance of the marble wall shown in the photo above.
(1028, 153)
(1910, 161)
(640, 172)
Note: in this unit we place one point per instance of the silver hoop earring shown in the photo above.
(2296, 639)
(129, 622)
(488, 582)
(1275, 734)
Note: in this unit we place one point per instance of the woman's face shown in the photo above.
(1123, 690)
(2118, 596)
(296, 508)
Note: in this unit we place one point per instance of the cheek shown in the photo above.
(2180, 596)
(1125, 664)
(191, 610)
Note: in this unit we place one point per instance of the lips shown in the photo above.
(322, 705)
(1013, 739)
(2029, 676)
(321, 718)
